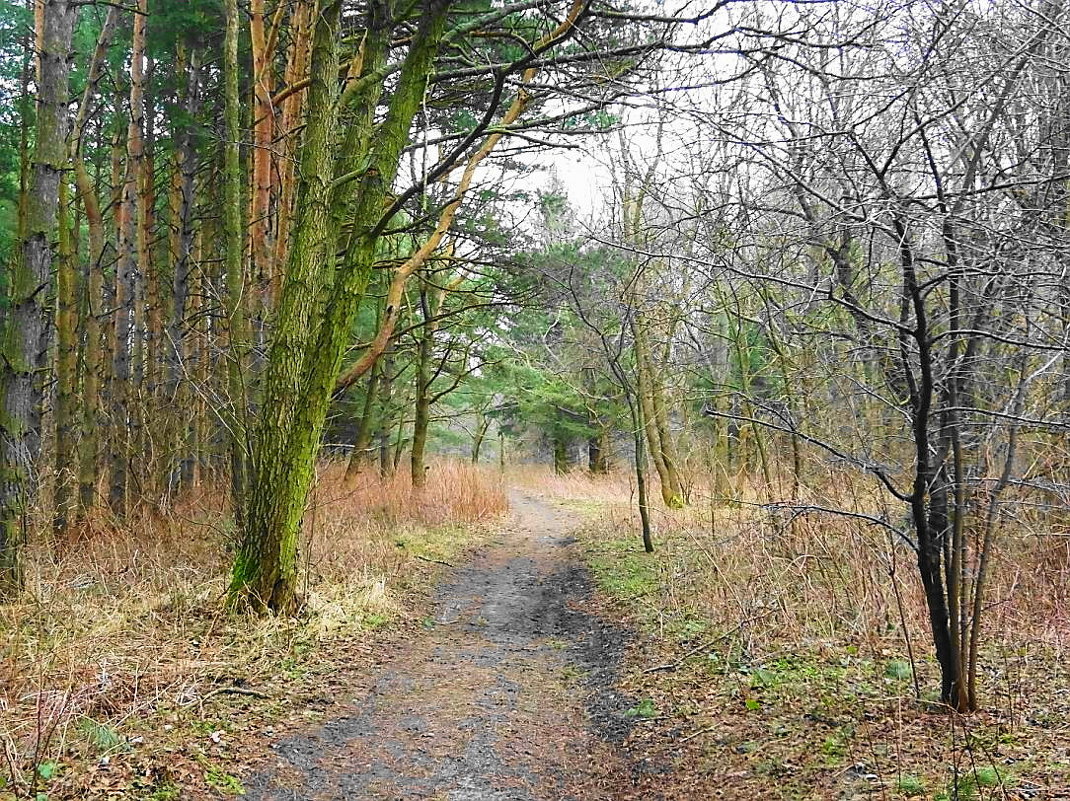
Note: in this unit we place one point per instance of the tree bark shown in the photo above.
(179, 340)
(26, 324)
(265, 572)
(234, 259)
(365, 428)
(482, 425)
(386, 467)
(291, 112)
(127, 346)
(66, 417)
(91, 419)
(671, 492)
(308, 347)
(261, 157)
(431, 300)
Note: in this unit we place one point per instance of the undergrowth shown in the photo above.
(122, 675)
(775, 649)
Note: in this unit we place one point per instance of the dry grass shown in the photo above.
(802, 616)
(125, 626)
(815, 575)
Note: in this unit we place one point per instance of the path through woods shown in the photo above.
(508, 697)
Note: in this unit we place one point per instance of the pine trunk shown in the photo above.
(66, 417)
(291, 113)
(27, 319)
(89, 443)
(181, 248)
(126, 350)
(261, 235)
(234, 259)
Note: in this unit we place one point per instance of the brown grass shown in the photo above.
(124, 625)
(819, 603)
(814, 575)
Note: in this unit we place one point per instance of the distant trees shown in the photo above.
(854, 262)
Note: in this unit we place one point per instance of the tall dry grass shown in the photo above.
(783, 580)
(122, 623)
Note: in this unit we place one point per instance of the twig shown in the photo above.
(683, 740)
(434, 561)
(228, 691)
(693, 735)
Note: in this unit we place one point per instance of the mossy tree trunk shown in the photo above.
(317, 302)
(234, 263)
(26, 325)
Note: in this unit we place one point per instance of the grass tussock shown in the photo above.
(122, 629)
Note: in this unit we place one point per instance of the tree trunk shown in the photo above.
(234, 259)
(265, 572)
(126, 347)
(137, 160)
(27, 319)
(261, 157)
(640, 477)
(66, 369)
(365, 428)
(181, 247)
(292, 109)
(655, 417)
(386, 420)
(90, 419)
(91, 422)
(598, 452)
(645, 402)
(422, 385)
(316, 307)
(562, 462)
(482, 425)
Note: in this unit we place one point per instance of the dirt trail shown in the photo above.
(507, 697)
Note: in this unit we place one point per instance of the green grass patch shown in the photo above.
(442, 543)
(623, 571)
(910, 785)
(222, 781)
(644, 709)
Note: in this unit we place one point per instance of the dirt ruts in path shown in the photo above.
(507, 697)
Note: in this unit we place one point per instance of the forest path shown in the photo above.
(508, 696)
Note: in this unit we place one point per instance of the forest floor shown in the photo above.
(509, 693)
(469, 653)
(553, 667)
